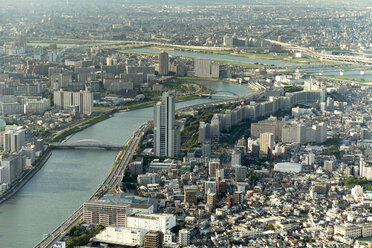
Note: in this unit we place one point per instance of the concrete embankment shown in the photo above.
(26, 177)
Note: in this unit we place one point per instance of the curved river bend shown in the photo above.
(71, 176)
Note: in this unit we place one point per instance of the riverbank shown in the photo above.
(47, 153)
(66, 133)
(121, 161)
(347, 79)
(72, 176)
(148, 104)
(64, 42)
(235, 52)
(242, 64)
(26, 177)
(61, 135)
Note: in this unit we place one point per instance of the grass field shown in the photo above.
(137, 52)
(67, 42)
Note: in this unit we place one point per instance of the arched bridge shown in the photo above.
(222, 93)
(86, 144)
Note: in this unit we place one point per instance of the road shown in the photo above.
(115, 176)
(25, 178)
(323, 56)
(218, 103)
(112, 182)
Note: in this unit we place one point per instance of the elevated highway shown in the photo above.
(227, 94)
(322, 56)
(116, 175)
(217, 103)
(112, 182)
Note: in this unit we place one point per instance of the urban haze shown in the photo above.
(169, 123)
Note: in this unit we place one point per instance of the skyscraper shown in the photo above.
(163, 63)
(167, 137)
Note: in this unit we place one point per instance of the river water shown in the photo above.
(367, 76)
(219, 57)
(70, 177)
(313, 69)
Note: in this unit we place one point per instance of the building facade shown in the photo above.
(167, 136)
(105, 213)
(69, 100)
(163, 63)
(206, 69)
(266, 143)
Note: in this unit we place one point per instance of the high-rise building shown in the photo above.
(221, 186)
(365, 169)
(298, 133)
(266, 143)
(10, 168)
(153, 239)
(203, 132)
(206, 69)
(242, 143)
(271, 125)
(210, 187)
(163, 63)
(211, 199)
(212, 168)
(236, 158)
(309, 159)
(206, 149)
(220, 174)
(167, 136)
(240, 173)
(68, 100)
(184, 237)
(13, 139)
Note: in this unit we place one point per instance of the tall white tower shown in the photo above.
(167, 138)
(163, 63)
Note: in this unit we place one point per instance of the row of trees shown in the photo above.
(350, 182)
(81, 236)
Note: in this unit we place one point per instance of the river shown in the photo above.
(367, 76)
(71, 176)
(311, 69)
(219, 57)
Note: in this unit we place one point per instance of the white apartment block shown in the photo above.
(152, 222)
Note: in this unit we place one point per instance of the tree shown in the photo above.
(270, 227)
(332, 150)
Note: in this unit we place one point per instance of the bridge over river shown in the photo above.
(86, 144)
(227, 94)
